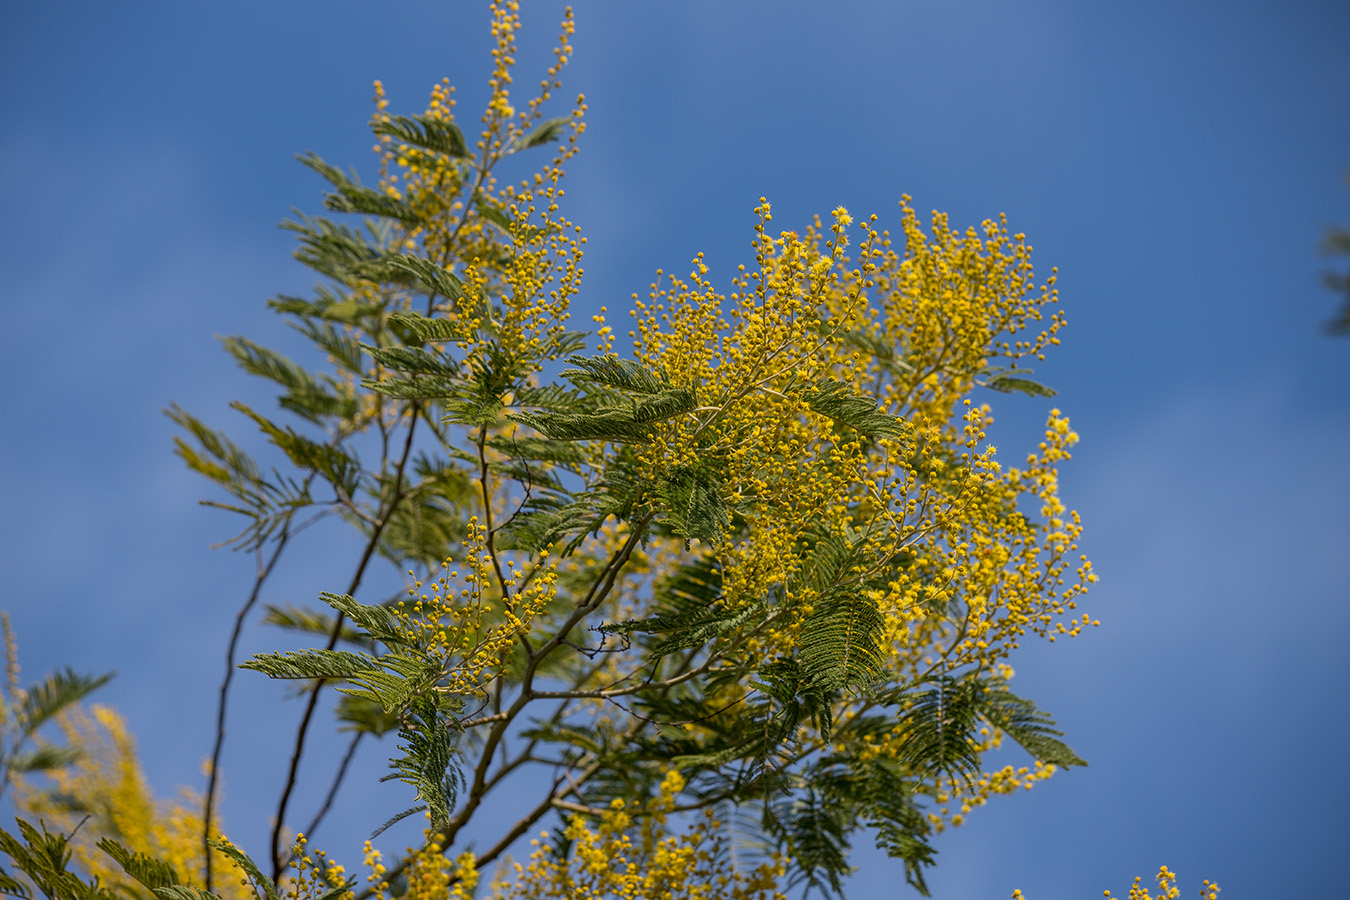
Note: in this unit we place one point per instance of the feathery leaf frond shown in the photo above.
(425, 132)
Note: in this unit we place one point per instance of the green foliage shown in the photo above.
(56, 692)
(426, 763)
(430, 133)
(155, 874)
(45, 858)
(545, 132)
(1014, 381)
(24, 711)
(830, 398)
(839, 643)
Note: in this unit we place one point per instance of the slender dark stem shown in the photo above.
(277, 862)
(213, 780)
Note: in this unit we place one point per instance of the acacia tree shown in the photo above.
(761, 573)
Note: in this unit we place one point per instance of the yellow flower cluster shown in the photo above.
(310, 878)
(1167, 889)
(431, 875)
(623, 856)
(473, 629)
(106, 782)
(914, 330)
(991, 554)
(1004, 781)
(518, 258)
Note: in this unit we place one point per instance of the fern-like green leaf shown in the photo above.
(839, 645)
(334, 250)
(351, 197)
(45, 858)
(836, 401)
(413, 360)
(311, 664)
(428, 752)
(814, 836)
(53, 694)
(379, 622)
(43, 759)
(1008, 384)
(308, 621)
(691, 629)
(415, 272)
(13, 887)
(335, 464)
(693, 504)
(426, 329)
(149, 871)
(228, 465)
(1033, 729)
(938, 730)
(364, 714)
(625, 424)
(425, 132)
(613, 371)
(546, 131)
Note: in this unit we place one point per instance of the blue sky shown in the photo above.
(1177, 161)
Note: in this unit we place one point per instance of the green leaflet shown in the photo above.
(414, 360)
(377, 621)
(694, 508)
(1008, 381)
(345, 350)
(311, 664)
(814, 833)
(307, 396)
(54, 693)
(334, 250)
(351, 197)
(426, 764)
(835, 400)
(334, 464)
(416, 272)
(543, 133)
(230, 465)
(839, 644)
(433, 375)
(43, 759)
(612, 371)
(636, 400)
(44, 858)
(270, 505)
(149, 871)
(425, 132)
(363, 714)
(419, 388)
(421, 329)
(627, 424)
(1007, 384)
(184, 892)
(307, 621)
(1033, 729)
